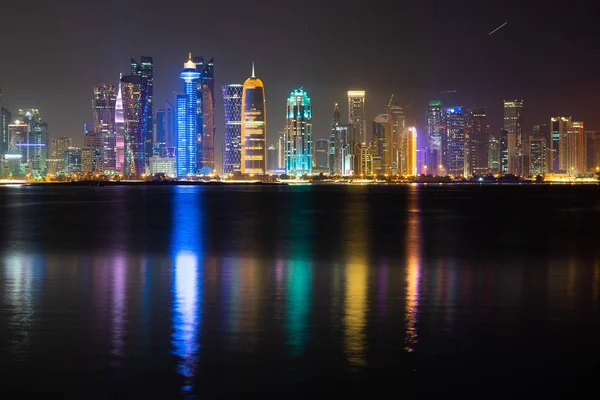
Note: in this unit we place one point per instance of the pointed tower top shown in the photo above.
(120, 75)
(253, 76)
(189, 64)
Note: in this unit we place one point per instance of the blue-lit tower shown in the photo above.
(187, 119)
(232, 152)
(299, 143)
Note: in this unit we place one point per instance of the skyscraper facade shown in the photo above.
(91, 152)
(503, 152)
(103, 110)
(383, 152)
(187, 118)
(135, 109)
(322, 154)
(254, 126)
(494, 155)
(434, 117)
(592, 151)
(299, 143)
(454, 152)
(394, 132)
(559, 129)
(232, 101)
(537, 153)
(206, 114)
(356, 116)
(335, 152)
(513, 124)
(119, 131)
(478, 137)
(145, 69)
(37, 142)
(408, 166)
(5, 120)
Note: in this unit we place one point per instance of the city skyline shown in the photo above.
(326, 77)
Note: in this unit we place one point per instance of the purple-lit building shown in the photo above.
(135, 109)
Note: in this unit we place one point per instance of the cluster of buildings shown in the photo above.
(130, 138)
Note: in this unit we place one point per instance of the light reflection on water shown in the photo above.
(191, 309)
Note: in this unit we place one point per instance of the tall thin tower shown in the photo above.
(187, 119)
(254, 126)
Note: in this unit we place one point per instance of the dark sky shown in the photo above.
(52, 54)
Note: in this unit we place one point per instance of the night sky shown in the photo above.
(52, 55)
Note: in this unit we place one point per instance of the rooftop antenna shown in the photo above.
(253, 76)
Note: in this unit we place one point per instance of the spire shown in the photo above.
(253, 76)
(189, 56)
(190, 64)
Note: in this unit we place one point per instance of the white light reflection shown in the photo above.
(118, 307)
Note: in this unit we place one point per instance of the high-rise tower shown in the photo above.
(134, 90)
(145, 69)
(205, 110)
(356, 115)
(232, 101)
(299, 142)
(254, 126)
(454, 152)
(119, 130)
(103, 107)
(434, 117)
(335, 154)
(478, 139)
(513, 124)
(187, 119)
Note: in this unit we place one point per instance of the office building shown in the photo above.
(435, 130)
(537, 154)
(281, 150)
(272, 160)
(477, 138)
(503, 152)
(162, 165)
(453, 157)
(135, 109)
(395, 130)
(145, 70)
(35, 146)
(356, 116)
(205, 109)
(382, 155)
(592, 151)
(254, 126)
(72, 160)
(103, 107)
(335, 152)
(119, 131)
(232, 102)
(56, 161)
(513, 124)
(408, 158)
(91, 152)
(187, 118)
(299, 142)
(5, 120)
(559, 129)
(322, 154)
(365, 161)
(494, 156)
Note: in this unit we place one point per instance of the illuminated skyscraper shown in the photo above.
(119, 131)
(335, 152)
(5, 120)
(91, 152)
(135, 109)
(356, 115)
(254, 126)
(206, 114)
(56, 161)
(408, 166)
(394, 134)
(559, 129)
(299, 143)
(494, 155)
(513, 124)
(103, 107)
(537, 152)
(232, 101)
(145, 70)
(187, 118)
(72, 160)
(37, 141)
(576, 148)
(454, 152)
(503, 151)
(433, 157)
(383, 152)
(478, 138)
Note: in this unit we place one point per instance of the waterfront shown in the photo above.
(213, 291)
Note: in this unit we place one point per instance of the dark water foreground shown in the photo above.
(290, 292)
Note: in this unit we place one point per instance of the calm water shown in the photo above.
(288, 292)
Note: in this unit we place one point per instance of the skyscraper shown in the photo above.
(494, 155)
(299, 142)
(503, 151)
(322, 154)
(559, 129)
(206, 114)
(37, 142)
(5, 120)
(383, 152)
(408, 167)
(335, 152)
(145, 70)
(254, 126)
(478, 138)
(453, 158)
(232, 101)
(513, 124)
(592, 151)
(56, 161)
(135, 109)
(103, 107)
(356, 115)
(537, 153)
(394, 133)
(119, 131)
(187, 118)
(272, 159)
(91, 152)
(433, 157)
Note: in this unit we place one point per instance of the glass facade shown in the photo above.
(135, 109)
(335, 144)
(205, 109)
(119, 131)
(454, 152)
(299, 143)
(434, 117)
(145, 69)
(103, 107)
(232, 101)
(478, 138)
(187, 119)
(5, 120)
(254, 127)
